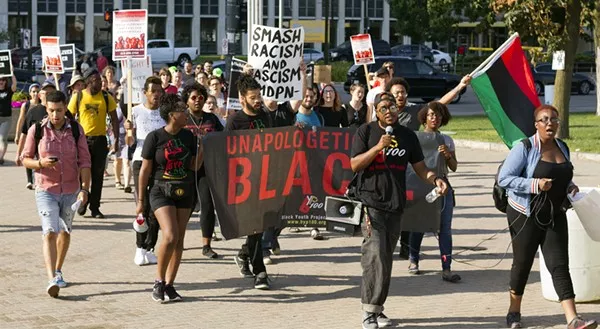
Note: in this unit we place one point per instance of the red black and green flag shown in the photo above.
(505, 88)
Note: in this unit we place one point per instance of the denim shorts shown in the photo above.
(55, 211)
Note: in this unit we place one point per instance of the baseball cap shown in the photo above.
(384, 96)
(173, 69)
(89, 72)
(217, 72)
(74, 79)
(382, 71)
(48, 83)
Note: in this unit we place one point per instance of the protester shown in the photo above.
(389, 65)
(330, 107)
(170, 155)
(188, 75)
(537, 179)
(216, 89)
(121, 156)
(210, 106)
(251, 116)
(145, 119)
(63, 81)
(202, 78)
(6, 93)
(165, 78)
(198, 69)
(76, 85)
(62, 163)
(33, 101)
(382, 76)
(356, 109)
(208, 67)
(306, 116)
(202, 123)
(381, 189)
(177, 81)
(93, 106)
(101, 62)
(433, 117)
(112, 83)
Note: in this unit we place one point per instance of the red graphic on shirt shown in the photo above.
(175, 154)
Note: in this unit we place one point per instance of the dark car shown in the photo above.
(544, 75)
(412, 51)
(425, 81)
(343, 52)
(18, 54)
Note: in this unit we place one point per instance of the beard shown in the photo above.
(251, 108)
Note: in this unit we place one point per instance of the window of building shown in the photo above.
(102, 32)
(157, 7)
(184, 7)
(333, 8)
(102, 5)
(353, 8)
(17, 6)
(375, 8)
(183, 32)
(307, 9)
(46, 25)
(287, 8)
(209, 7)
(157, 27)
(208, 36)
(132, 4)
(47, 6)
(75, 6)
(76, 30)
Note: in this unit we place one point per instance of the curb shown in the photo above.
(502, 148)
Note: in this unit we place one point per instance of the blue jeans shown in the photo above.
(270, 239)
(445, 240)
(55, 211)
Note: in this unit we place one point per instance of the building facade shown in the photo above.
(195, 23)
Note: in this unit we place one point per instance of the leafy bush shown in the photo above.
(20, 96)
(339, 70)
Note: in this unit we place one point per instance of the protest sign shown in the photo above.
(67, 52)
(362, 49)
(130, 28)
(275, 56)
(141, 69)
(233, 100)
(51, 55)
(6, 69)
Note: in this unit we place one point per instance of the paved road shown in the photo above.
(316, 283)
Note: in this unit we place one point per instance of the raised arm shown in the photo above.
(465, 81)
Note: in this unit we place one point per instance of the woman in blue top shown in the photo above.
(537, 180)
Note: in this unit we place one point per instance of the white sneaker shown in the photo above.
(267, 260)
(140, 257)
(150, 257)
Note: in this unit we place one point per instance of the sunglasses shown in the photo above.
(197, 97)
(546, 120)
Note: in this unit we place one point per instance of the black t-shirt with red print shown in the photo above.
(208, 123)
(171, 154)
(382, 184)
(241, 121)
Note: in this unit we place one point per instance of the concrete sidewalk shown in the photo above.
(315, 283)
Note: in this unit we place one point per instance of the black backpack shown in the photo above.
(74, 130)
(499, 193)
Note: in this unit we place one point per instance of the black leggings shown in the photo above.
(146, 240)
(29, 173)
(554, 241)
(207, 208)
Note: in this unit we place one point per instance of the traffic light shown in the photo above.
(108, 16)
(243, 22)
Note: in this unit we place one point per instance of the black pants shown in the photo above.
(146, 240)
(253, 249)
(29, 173)
(207, 207)
(98, 147)
(527, 235)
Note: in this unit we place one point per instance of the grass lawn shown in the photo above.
(585, 131)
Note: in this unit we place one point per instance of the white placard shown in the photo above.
(130, 28)
(558, 60)
(362, 49)
(51, 56)
(141, 70)
(233, 100)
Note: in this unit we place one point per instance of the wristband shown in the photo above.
(86, 191)
(435, 179)
(40, 163)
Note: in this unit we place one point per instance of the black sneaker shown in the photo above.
(244, 264)
(97, 214)
(513, 320)
(262, 281)
(82, 209)
(158, 292)
(208, 252)
(171, 294)
(127, 189)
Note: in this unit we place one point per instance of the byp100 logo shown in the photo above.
(310, 202)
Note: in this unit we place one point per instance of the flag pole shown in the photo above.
(495, 53)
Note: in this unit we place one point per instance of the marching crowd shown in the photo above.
(66, 136)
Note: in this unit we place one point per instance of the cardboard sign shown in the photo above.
(67, 53)
(233, 100)
(130, 28)
(6, 68)
(141, 70)
(51, 55)
(558, 60)
(362, 49)
(322, 74)
(275, 56)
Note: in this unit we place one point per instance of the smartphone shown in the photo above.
(53, 159)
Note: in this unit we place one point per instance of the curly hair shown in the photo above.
(246, 83)
(439, 109)
(397, 81)
(169, 103)
(188, 89)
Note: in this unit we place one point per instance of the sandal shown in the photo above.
(413, 269)
(450, 277)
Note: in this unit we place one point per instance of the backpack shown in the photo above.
(74, 130)
(80, 95)
(499, 193)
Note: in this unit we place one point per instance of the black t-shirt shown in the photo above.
(283, 116)
(34, 115)
(6, 102)
(408, 117)
(171, 154)
(333, 118)
(240, 121)
(199, 127)
(356, 118)
(382, 184)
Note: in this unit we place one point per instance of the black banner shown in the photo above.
(5, 64)
(275, 177)
(67, 52)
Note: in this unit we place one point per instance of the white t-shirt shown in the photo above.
(371, 99)
(144, 121)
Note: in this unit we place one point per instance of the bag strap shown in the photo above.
(38, 136)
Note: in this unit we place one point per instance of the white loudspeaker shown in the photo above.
(343, 210)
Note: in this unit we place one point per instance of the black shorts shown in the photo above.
(159, 199)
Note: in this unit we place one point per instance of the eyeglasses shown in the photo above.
(197, 97)
(547, 120)
(386, 109)
(433, 115)
(403, 93)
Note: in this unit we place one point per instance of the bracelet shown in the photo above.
(435, 179)
(86, 191)
(40, 163)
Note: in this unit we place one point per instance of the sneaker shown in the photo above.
(158, 292)
(383, 321)
(127, 189)
(513, 320)
(315, 234)
(244, 264)
(171, 294)
(267, 260)
(579, 323)
(150, 257)
(140, 257)
(119, 186)
(60, 281)
(370, 321)
(262, 281)
(276, 251)
(82, 209)
(208, 252)
(413, 269)
(53, 288)
(97, 214)
(294, 229)
(29, 186)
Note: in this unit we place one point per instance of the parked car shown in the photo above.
(36, 58)
(425, 81)
(312, 55)
(164, 52)
(412, 51)
(440, 57)
(17, 54)
(343, 52)
(544, 75)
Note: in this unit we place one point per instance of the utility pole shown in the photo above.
(326, 45)
(30, 26)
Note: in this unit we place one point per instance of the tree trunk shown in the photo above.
(596, 20)
(562, 84)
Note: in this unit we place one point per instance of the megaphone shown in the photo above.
(343, 215)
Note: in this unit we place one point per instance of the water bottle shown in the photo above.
(139, 224)
(76, 205)
(433, 195)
